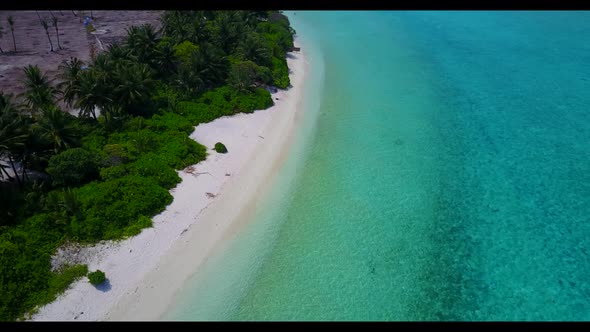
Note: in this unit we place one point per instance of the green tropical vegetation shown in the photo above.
(104, 173)
(220, 148)
(97, 277)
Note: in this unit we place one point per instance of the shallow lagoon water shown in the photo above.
(442, 172)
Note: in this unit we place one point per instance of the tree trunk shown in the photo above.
(7, 175)
(13, 40)
(50, 43)
(74, 13)
(39, 16)
(20, 184)
(57, 34)
(1, 51)
(25, 177)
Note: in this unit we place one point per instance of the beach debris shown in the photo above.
(184, 231)
(227, 174)
(210, 195)
(276, 98)
(191, 170)
(197, 173)
(260, 136)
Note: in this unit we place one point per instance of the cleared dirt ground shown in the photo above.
(33, 47)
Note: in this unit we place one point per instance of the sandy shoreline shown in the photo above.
(144, 272)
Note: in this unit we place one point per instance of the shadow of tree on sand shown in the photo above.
(105, 286)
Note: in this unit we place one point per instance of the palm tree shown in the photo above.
(11, 24)
(132, 86)
(1, 35)
(115, 52)
(226, 30)
(39, 94)
(165, 60)
(57, 128)
(39, 16)
(199, 31)
(254, 48)
(92, 86)
(70, 76)
(87, 100)
(243, 76)
(56, 31)
(207, 68)
(210, 63)
(13, 136)
(142, 42)
(174, 25)
(250, 17)
(46, 26)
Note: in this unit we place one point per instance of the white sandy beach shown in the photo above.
(144, 272)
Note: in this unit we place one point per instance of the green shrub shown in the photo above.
(223, 101)
(111, 206)
(136, 142)
(113, 172)
(117, 154)
(278, 34)
(155, 167)
(280, 73)
(97, 277)
(95, 141)
(220, 148)
(242, 75)
(179, 150)
(165, 98)
(73, 167)
(59, 282)
(25, 253)
(136, 228)
(185, 50)
(260, 99)
(169, 121)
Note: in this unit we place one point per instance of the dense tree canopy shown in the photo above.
(104, 173)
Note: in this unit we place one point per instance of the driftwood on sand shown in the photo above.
(191, 170)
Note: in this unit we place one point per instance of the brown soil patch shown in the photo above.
(33, 47)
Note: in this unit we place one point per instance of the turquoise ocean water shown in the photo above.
(442, 172)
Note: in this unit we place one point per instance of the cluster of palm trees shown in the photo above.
(116, 83)
(30, 133)
(44, 23)
(224, 40)
(119, 83)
